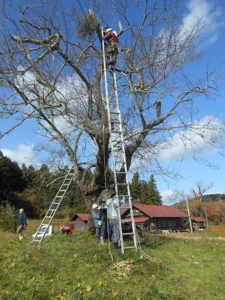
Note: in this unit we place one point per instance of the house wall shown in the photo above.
(144, 227)
(161, 223)
(169, 223)
(198, 225)
(80, 225)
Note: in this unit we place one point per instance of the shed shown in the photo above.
(80, 222)
(198, 223)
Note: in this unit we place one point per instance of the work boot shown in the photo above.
(116, 245)
(101, 240)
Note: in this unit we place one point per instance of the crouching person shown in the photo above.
(66, 229)
(112, 205)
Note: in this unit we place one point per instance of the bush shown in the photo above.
(7, 219)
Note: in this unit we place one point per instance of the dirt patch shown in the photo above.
(217, 229)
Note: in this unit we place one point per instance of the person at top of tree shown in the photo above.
(112, 47)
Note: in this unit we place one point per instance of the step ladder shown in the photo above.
(119, 164)
(54, 206)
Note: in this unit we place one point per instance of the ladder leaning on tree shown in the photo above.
(119, 164)
(54, 206)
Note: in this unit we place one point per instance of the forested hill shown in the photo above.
(204, 198)
(213, 197)
(214, 204)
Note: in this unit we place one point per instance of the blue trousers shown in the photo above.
(103, 229)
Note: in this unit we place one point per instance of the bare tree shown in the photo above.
(51, 70)
(198, 194)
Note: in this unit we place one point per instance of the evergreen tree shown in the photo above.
(135, 187)
(29, 175)
(144, 191)
(150, 193)
(11, 178)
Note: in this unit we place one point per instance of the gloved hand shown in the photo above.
(99, 223)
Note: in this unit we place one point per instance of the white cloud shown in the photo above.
(70, 98)
(203, 135)
(206, 13)
(23, 154)
(168, 196)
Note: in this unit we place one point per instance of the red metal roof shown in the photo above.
(84, 217)
(198, 219)
(141, 219)
(159, 211)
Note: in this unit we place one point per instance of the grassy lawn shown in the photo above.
(78, 267)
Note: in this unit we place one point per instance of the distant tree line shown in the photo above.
(34, 189)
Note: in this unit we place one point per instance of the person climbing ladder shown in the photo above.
(111, 48)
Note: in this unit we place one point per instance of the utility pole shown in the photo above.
(206, 216)
(189, 217)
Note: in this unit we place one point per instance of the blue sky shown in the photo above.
(22, 143)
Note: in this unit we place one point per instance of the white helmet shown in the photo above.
(108, 29)
(94, 206)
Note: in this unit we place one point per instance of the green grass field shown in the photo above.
(78, 267)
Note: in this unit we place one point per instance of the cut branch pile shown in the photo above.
(122, 268)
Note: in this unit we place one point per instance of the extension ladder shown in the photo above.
(48, 218)
(119, 164)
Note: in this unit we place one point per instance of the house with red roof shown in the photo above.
(80, 222)
(150, 218)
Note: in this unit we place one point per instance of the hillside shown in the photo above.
(213, 204)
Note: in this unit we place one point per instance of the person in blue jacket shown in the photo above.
(95, 216)
(22, 223)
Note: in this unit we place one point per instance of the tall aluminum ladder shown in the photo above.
(54, 206)
(119, 164)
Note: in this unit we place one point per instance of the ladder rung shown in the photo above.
(116, 131)
(118, 172)
(128, 233)
(126, 221)
(129, 247)
(122, 183)
(114, 113)
(116, 141)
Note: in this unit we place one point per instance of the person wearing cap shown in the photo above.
(112, 47)
(112, 205)
(102, 221)
(95, 217)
